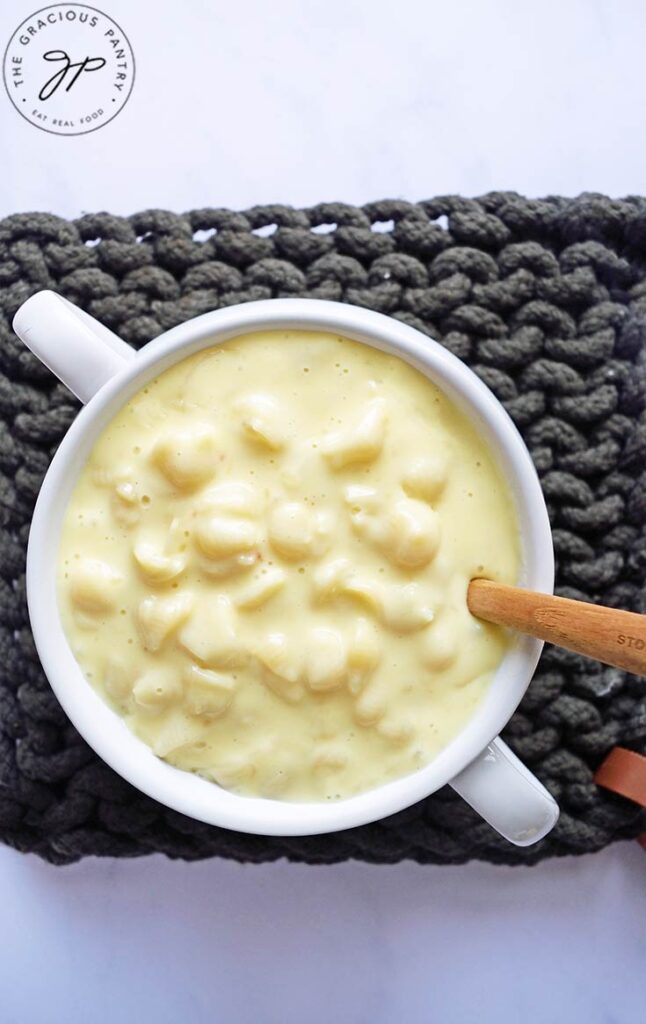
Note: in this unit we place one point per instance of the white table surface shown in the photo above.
(131, 942)
(292, 101)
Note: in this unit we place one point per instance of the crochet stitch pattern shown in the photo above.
(544, 299)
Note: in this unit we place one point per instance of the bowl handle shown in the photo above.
(77, 348)
(506, 794)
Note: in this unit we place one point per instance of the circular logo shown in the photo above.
(69, 69)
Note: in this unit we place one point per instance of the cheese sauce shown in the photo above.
(263, 567)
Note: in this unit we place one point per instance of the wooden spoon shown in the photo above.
(612, 636)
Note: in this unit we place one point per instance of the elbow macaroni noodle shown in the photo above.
(264, 564)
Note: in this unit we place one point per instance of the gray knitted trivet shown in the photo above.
(546, 300)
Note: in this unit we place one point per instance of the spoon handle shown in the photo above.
(610, 635)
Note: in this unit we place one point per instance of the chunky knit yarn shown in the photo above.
(546, 301)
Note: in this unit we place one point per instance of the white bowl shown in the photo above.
(105, 373)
